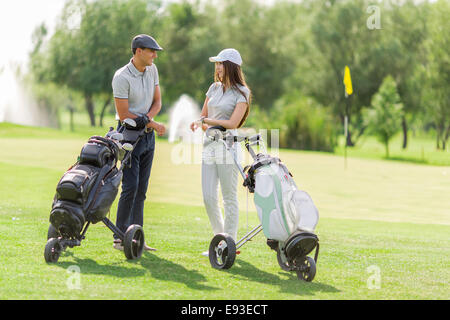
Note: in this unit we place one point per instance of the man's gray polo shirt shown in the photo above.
(137, 87)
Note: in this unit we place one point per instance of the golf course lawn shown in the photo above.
(384, 230)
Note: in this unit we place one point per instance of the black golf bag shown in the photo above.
(87, 190)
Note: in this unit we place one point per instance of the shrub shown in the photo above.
(305, 124)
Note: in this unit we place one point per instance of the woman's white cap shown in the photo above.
(231, 55)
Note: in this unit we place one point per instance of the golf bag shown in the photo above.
(87, 190)
(288, 215)
(282, 208)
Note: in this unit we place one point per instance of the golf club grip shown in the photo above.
(254, 138)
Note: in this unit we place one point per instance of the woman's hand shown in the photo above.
(197, 124)
(194, 126)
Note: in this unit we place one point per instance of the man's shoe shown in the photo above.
(118, 245)
(147, 248)
(205, 254)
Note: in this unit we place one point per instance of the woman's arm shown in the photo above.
(235, 119)
(203, 114)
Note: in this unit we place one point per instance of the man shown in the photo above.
(137, 95)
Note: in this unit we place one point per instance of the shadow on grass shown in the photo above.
(166, 270)
(89, 266)
(159, 268)
(408, 160)
(291, 285)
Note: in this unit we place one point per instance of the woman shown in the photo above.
(227, 104)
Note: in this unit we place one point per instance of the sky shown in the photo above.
(18, 19)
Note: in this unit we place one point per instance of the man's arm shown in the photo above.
(122, 109)
(154, 110)
(121, 88)
(156, 105)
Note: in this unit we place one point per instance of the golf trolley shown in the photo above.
(288, 216)
(86, 191)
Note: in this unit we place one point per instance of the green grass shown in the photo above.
(421, 149)
(388, 214)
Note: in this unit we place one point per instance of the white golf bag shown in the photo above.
(282, 208)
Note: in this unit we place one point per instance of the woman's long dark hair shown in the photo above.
(233, 76)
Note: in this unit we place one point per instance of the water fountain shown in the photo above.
(16, 103)
(182, 114)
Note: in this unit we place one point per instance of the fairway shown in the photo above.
(384, 230)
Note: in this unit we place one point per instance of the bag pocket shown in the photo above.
(308, 215)
(106, 194)
(95, 154)
(75, 184)
(67, 218)
(291, 212)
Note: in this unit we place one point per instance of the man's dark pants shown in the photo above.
(135, 183)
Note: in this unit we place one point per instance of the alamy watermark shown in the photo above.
(374, 280)
(188, 152)
(74, 280)
(374, 20)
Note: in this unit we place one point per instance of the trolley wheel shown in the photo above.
(283, 264)
(133, 242)
(52, 232)
(222, 251)
(52, 250)
(307, 269)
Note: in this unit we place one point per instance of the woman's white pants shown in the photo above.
(218, 167)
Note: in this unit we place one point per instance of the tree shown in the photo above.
(189, 37)
(91, 41)
(340, 37)
(269, 39)
(437, 72)
(406, 22)
(383, 120)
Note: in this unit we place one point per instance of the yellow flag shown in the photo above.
(348, 81)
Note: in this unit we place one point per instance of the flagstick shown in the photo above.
(348, 91)
(345, 148)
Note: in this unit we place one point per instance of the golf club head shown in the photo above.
(127, 147)
(110, 132)
(117, 136)
(128, 122)
(215, 133)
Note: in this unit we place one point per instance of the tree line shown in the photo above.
(294, 57)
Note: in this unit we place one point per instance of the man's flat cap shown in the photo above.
(145, 41)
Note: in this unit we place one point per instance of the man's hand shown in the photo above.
(159, 128)
(141, 122)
